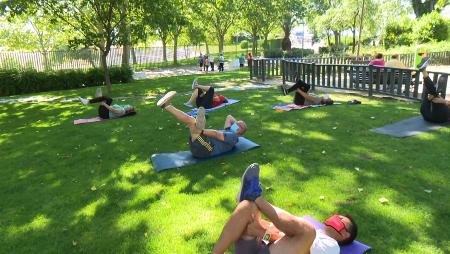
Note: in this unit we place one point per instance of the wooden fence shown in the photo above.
(353, 74)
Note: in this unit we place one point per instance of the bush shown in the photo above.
(431, 27)
(273, 44)
(398, 33)
(294, 52)
(13, 81)
(244, 44)
(324, 50)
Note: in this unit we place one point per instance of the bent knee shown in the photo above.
(247, 205)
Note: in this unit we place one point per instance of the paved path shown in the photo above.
(181, 71)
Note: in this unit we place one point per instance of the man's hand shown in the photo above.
(255, 229)
(259, 227)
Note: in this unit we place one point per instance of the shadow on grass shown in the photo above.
(51, 166)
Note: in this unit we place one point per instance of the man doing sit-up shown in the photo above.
(204, 96)
(434, 108)
(302, 97)
(205, 142)
(285, 234)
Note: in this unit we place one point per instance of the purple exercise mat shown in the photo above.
(354, 248)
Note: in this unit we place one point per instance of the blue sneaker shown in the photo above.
(250, 186)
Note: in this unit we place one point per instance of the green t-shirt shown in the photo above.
(418, 60)
(113, 115)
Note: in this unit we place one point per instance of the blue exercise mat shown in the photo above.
(193, 112)
(353, 248)
(409, 127)
(163, 161)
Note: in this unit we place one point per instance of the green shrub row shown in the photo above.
(294, 52)
(15, 81)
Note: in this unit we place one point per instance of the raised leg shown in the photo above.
(193, 97)
(107, 99)
(204, 88)
(299, 234)
(244, 214)
(188, 120)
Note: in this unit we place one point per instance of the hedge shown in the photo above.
(294, 52)
(15, 81)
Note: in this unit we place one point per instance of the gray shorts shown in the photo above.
(230, 140)
(251, 247)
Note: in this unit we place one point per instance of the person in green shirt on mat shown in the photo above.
(108, 111)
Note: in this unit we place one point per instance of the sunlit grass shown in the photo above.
(91, 189)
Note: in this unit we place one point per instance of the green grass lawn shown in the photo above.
(91, 189)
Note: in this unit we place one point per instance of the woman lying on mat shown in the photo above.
(302, 97)
(204, 96)
(106, 111)
(434, 107)
(284, 233)
(205, 142)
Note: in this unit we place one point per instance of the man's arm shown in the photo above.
(258, 228)
(110, 108)
(214, 134)
(229, 121)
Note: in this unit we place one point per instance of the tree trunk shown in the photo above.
(286, 42)
(125, 55)
(164, 43)
(354, 41)
(133, 55)
(254, 41)
(106, 71)
(175, 48)
(126, 35)
(336, 38)
(207, 47)
(266, 47)
(360, 28)
(423, 7)
(221, 41)
(46, 64)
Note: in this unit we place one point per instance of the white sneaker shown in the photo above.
(195, 84)
(84, 101)
(200, 119)
(165, 100)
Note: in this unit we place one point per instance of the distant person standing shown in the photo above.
(241, 60)
(200, 61)
(249, 60)
(205, 62)
(211, 61)
(221, 61)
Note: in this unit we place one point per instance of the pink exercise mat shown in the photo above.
(88, 120)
